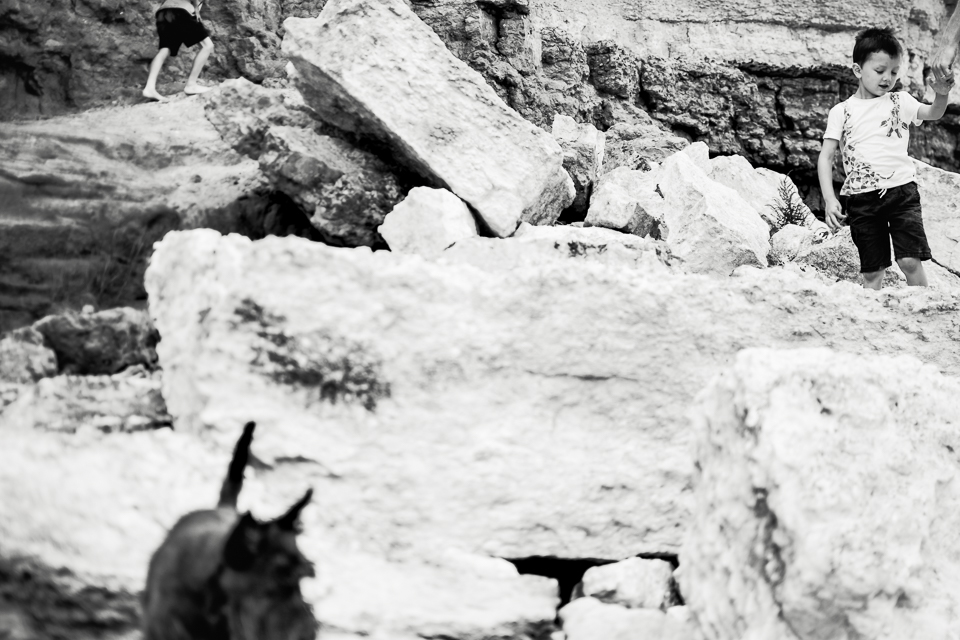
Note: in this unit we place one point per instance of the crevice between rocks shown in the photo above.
(568, 572)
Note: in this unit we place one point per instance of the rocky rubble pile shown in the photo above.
(491, 391)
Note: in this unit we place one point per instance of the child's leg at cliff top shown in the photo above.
(150, 90)
(192, 88)
(873, 279)
(913, 269)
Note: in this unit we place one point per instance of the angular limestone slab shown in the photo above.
(373, 67)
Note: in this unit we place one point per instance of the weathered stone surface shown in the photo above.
(709, 226)
(127, 401)
(83, 198)
(468, 140)
(591, 619)
(613, 69)
(629, 201)
(634, 583)
(100, 343)
(826, 499)
(480, 381)
(427, 221)
(790, 241)
(345, 191)
(583, 149)
(242, 112)
(941, 213)
(24, 357)
(639, 147)
(835, 256)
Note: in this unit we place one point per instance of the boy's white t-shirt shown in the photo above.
(873, 137)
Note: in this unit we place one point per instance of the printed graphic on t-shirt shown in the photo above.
(894, 122)
(860, 175)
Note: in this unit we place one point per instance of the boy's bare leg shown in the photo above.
(150, 90)
(192, 88)
(913, 269)
(873, 279)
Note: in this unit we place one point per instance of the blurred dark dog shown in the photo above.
(220, 575)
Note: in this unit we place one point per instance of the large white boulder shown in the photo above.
(426, 222)
(394, 374)
(437, 114)
(827, 500)
(709, 226)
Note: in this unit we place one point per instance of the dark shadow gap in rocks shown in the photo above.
(568, 572)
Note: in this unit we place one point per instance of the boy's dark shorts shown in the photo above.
(875, 220)
(178, 27)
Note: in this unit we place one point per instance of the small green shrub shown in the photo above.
(787, 206)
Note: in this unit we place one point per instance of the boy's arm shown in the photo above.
(936, 110)
(832, 209)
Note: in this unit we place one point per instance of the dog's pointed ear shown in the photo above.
(288, 521)
(241, 548)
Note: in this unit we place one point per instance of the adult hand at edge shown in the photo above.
(942, 62)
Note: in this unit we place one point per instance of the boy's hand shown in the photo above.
(834, 214)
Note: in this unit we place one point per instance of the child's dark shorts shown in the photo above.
(178, 27)
(876, 217)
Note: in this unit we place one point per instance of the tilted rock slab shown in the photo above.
(346, 192)
(426, 222)
(438, 115)
(827, 500)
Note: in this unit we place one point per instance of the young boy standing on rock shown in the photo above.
(178, 23)
(872, 130)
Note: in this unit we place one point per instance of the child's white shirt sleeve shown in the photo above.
(909, 106)
(835, 123)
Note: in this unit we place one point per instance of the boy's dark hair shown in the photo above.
(874, 40)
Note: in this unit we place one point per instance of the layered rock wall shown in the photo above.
(751, 77)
